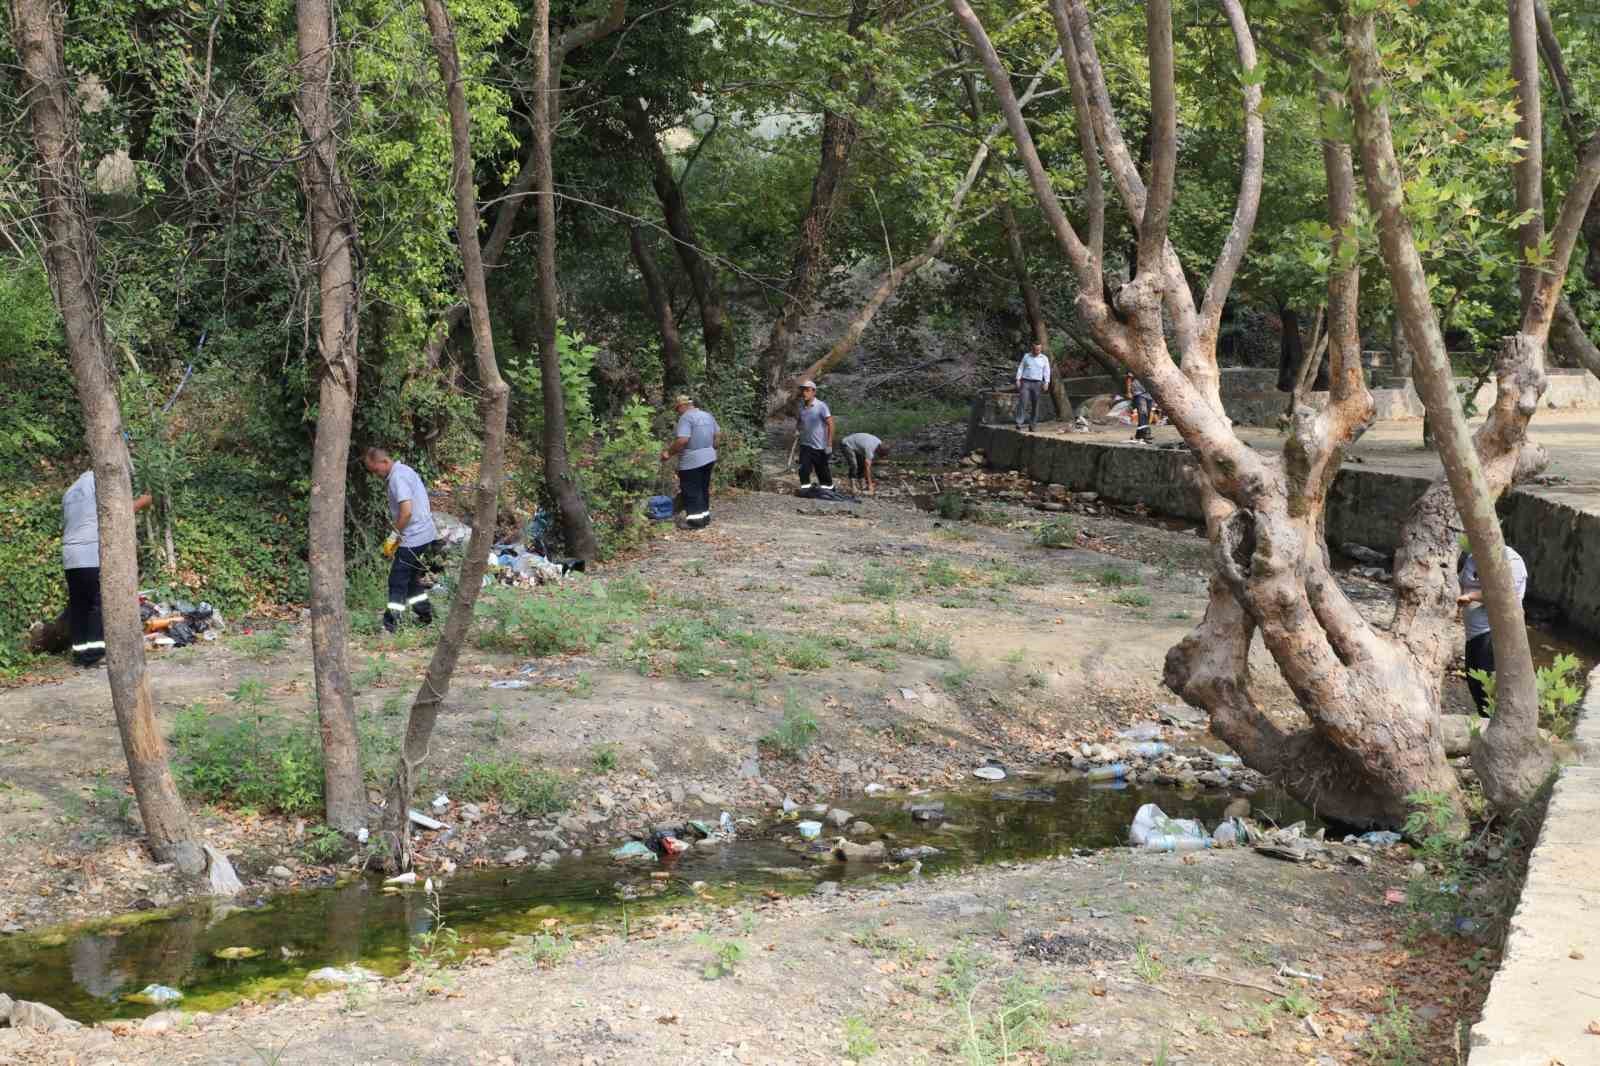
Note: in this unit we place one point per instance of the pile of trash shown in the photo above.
(1154, 830)
(1139, 755)
(526, 561)
(667, 842)
(178, 624)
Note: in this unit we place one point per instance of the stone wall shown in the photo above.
(1559, 538)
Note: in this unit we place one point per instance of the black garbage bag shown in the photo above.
(182, 634)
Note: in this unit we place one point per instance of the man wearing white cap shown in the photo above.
(695, 444)
(814, 425)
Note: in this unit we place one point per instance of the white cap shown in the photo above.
(808, 384)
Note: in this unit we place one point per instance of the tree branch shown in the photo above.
(1250, 178)
(1163, 133)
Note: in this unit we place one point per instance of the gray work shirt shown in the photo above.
(701, 430)
(404, 484)
(1476, 617)
(80, 525)
(863, 444)
(813, 424)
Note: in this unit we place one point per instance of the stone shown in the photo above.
(862, 829)
(280, 873)
(28, 1015)
(605, 801)
(515, 856)
(771, 792)
(1416, 870)
(162, 1021)
(675, 793)
(849, 851)
(954, 904)
(839, 818)
(5, 1009)
(847, 766)
(551, 856)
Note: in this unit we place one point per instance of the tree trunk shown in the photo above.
(702, 278)
(1567, 333)
(839, 135)
(330, 211)
(70, 256)
(491, 464)
(1037, 329)
(655, 291)
(558, 475)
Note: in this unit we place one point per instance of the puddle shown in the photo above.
(88, 971)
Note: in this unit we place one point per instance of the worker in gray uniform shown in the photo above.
(694, 444)
(859, 452)
(80, 558)
(814, 432)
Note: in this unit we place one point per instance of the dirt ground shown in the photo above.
(921, 646)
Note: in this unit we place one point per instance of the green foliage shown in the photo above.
(860, 1042)
(323, 844)
(1561, 690)
(40, 420)
(1390, 1040)
(952, 505)
(1059, 533)
(257, 760)
(798, 729)
(520, 789)
(555, 620)
(547, 951)
(892, 420)
(726, 955)
(1132, 598)
(603, 758)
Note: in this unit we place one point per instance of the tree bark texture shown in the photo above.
(558, 476)
(673, 377)
(702, 276)
(330, 210)
(1038, 330)
(70, 256)
(491, 465)
(839, 135)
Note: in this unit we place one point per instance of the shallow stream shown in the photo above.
(88, 971)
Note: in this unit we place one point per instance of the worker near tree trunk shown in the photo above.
(814, 430)
(695, 445)
(1475, 620)
(859, 452)
(1139, 396)
(80, 558)
(411, 544)
(1033, 378)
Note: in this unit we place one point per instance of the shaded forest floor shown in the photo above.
(918, 646)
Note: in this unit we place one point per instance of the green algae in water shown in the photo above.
(91, 972)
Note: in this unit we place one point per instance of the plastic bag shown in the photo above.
(1153, 829)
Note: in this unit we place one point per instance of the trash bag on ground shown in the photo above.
(1152, 829)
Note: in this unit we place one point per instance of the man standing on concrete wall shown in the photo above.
(1033, 378)
(1139, 396)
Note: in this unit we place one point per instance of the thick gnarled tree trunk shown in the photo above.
(70, 256)
(491, 463)
(330, 211)
(673, 377)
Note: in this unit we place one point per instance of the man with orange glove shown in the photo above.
(410, 544)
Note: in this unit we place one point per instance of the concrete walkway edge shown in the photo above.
(1546, 993)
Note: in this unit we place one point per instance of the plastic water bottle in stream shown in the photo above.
(1114, 772)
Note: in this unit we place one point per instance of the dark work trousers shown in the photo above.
(1480, 656)
(1142, 404)
(855, 461)
(695, 487)
(405, 585)
(1028, 402)
(83, 615)
(815, 460)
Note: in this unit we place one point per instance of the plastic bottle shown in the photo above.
(1151, 749)
(1172, 842)
(1114, 772)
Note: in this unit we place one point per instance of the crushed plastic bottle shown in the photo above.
(1152, 829)
(1151, 749)
(1171, 842)
(1231, 831)
(1228, 762)
(1114, 772)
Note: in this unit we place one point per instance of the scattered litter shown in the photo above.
(1154, 831)
(1229, 832)
(1114, 772)
(236, 953)
(508, 683)
(633, 849)
(423, 821)
(910, 694)
(875, 788)
(1142, 731)
(1227, 762)
(1151, 749)
(790, 805)
(343, 975)
(990, 773)
(154, 995)
(809, 830)
(362, 834)
(440, 803)
(1289, 971)
(407, 878)
(1378, 838)
(725, 823)
(1394, 895)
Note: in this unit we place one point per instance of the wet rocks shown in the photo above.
(862, 829)
(921, 851)
(926, 812)
(41, 1018)
(849, 851)
(514, 857)
(280, 873)
(839, 818)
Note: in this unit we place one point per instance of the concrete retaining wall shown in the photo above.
(1543, 998)
(1559, 541)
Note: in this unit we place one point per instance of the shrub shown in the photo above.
(565, 620)
(1060, 533)
(797, 731)
(519, 788)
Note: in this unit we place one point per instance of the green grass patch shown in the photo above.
(1132, 598)
(797, 731)
(559, 620)
(1059, 533)
(519, 788)
(805, 654)
(891, 420)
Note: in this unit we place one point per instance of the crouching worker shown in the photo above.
(411, 544)
(80, 558)
(859, 452)
(1479, 652)
(695, 445)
